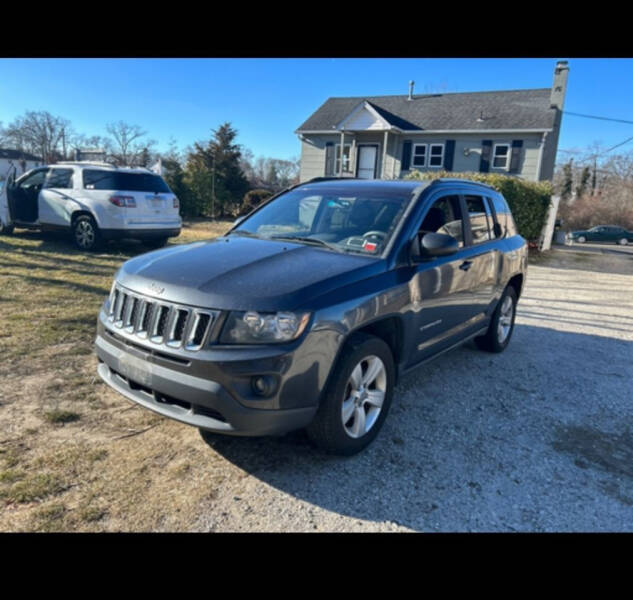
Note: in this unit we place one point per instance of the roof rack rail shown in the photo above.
(315, 179)
(86, 162)
(460, 180)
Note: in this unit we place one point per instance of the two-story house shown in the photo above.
(385, 137)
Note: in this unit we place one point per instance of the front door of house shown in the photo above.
(367, 162)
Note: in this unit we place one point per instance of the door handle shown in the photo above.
(466, 265)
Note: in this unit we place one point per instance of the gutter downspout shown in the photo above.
(383, 166)
(340, 170)
(540, 157)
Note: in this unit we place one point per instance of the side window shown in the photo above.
(59, 178)
(36, 180)
(480, 226)
(444, 216)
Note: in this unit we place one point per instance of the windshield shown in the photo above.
(343, 221)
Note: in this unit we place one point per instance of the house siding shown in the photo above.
(528, 162)
(313, 152)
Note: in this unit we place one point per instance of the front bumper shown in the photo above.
(202, 393)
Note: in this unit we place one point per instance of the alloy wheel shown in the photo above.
(364, 396)
(505, 319)
(85, 234)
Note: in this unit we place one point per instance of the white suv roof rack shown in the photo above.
(87, 162)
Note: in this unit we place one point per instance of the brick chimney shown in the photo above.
(561, 72)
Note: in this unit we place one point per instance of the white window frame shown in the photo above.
(426, 154)
(441, 165)
(337, 158)
(494, 155)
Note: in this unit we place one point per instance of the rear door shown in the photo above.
(154, 200)
(482, 257)
(143, 199)
(55, 194)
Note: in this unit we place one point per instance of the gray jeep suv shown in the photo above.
(308, 310)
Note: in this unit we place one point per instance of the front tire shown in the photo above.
(357, 399)
(86, 233)
(581, 240)
(497, 338)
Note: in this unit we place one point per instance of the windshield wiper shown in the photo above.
(307, 240)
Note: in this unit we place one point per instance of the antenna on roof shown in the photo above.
(411, 84)
(480, 118)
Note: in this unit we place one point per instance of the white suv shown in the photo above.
(94, 201)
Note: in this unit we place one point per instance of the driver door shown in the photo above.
(440, 288)
(23, 197)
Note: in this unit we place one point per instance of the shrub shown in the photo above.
(528, 200)
(253, 199)
(588, 211)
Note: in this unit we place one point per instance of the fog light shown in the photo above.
(263, 385)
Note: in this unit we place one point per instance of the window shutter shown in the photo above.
(406, 155)
(329, 159)
(486, 150)
(449, 153)
(515, 156)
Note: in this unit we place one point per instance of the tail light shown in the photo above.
(123, 201)
(176, 202)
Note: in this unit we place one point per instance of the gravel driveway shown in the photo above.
(537, 438)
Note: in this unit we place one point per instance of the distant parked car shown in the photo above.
(92, 201)
(603, 233)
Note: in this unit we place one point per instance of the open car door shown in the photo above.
(7, 190)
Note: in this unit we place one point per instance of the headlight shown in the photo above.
(254, 328)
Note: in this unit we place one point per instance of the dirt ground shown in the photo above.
(535, 439)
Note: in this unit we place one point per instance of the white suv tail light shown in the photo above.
(123, 201)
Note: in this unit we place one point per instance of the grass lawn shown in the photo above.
(74, 455)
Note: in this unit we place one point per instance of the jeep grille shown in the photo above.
(160, 322)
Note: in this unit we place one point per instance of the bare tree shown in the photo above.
(39, 133)
(126, 147)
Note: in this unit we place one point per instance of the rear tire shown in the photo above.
(497, 338)
(155, 243)
(623, 242)
(86, 235)
(356, 401)
(5, 229)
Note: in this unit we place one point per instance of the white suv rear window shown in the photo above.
(125, 182)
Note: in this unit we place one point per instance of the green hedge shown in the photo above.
(528, 200)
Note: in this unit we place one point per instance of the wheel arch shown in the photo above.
(517, 283)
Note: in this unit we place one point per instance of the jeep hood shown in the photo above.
(240, 273)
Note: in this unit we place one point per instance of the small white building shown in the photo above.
(23, 162)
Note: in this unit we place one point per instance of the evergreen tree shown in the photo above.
(584, 180)
(568, 181)
(215, 173)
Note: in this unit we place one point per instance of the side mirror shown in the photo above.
(429, 245)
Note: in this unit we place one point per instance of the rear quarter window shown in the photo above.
(125, 182)
(504, 215)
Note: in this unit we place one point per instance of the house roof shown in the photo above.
(17, 155)
(503, 110)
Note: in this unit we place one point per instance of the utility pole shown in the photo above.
(213, 188)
